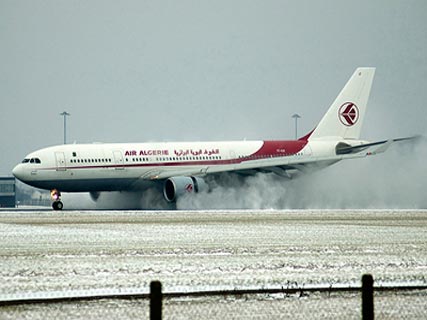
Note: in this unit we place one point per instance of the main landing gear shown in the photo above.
(55, 195)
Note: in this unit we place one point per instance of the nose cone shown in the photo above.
(19, 172)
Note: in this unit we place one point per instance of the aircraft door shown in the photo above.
(118, 160)
(232, 154)
(60, 161)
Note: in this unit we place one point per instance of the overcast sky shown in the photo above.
(134, 71)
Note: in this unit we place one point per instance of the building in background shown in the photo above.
(7, 192)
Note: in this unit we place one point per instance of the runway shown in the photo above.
(45, 251)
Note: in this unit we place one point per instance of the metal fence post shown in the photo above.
(156, 300)
(367, 297)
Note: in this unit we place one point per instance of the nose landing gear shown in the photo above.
(55, 195)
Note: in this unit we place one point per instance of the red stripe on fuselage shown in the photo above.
(308, 135)
(280, 148)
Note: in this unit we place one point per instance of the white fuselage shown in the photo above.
(115, 167)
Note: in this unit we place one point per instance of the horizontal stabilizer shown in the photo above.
(343, 148)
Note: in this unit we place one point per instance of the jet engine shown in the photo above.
(177, 186)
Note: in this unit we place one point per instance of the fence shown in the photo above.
(183, 304)
(367, 295)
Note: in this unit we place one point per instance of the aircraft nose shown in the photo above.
(18, 172)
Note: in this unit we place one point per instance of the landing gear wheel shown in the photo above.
(57, 205)
(55, 195)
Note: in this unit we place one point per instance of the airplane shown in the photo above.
(181, 168)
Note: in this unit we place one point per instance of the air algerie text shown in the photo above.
(147, 153)
(177, 153)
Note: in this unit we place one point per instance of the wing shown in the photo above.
(287, 167)
(343, 151)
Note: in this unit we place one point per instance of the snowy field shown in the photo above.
(44, 251)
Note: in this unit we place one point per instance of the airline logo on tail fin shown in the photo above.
(348, 114)
(344, 118)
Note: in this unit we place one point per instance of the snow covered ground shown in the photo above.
(43, 251)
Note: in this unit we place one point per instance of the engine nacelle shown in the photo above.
(177, 186)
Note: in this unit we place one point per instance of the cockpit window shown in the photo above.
(32, 160)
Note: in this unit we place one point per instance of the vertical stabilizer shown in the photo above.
(345, 116)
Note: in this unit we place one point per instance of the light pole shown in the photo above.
(65, 114)
(296, 116)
